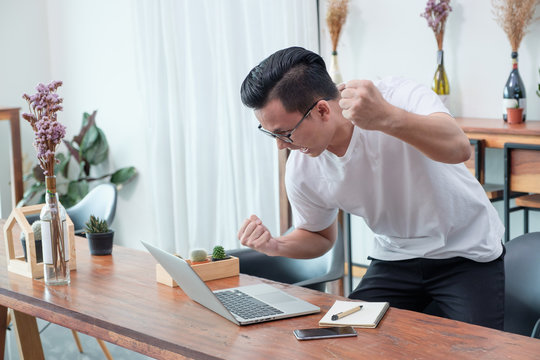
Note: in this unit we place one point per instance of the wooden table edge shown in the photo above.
(136, 341)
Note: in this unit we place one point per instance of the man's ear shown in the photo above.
(323, 110)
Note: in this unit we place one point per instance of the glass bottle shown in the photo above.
(54, 235)
(441, 86)
(514, 91)
(334, 72)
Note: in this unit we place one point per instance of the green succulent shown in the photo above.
(96, 225)
(218, 253)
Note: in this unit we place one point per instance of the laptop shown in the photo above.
(242, 305)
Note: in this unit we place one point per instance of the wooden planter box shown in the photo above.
(211, 270)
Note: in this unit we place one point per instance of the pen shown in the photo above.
(345, 313)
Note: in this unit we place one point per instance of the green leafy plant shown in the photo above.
(218, 253)
(86, 149)
(96, 226)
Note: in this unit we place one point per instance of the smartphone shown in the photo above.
(324, 333)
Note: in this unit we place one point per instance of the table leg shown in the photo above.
(3, 328)
(104, 349)
(77, 340)
(27, 335)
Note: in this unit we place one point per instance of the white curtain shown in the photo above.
(210, 167)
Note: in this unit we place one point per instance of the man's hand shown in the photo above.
(364, 106)
(255, 235)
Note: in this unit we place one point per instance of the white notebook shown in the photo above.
(368, 317)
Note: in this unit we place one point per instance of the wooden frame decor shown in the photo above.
(12, 114)
(31, 268)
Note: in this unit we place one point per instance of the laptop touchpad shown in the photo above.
(275, 297)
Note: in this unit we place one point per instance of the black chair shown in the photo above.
(477, 166)
(522, 293)
(309, 273)
(521, 173)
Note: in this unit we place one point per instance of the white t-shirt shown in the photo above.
(417, 207)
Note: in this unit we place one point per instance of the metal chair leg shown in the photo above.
(526, 221)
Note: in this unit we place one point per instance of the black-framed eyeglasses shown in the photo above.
(286, 135)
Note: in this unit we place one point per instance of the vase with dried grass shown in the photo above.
(335, 18)
(44, 106)
(436, 13)
(514, 16)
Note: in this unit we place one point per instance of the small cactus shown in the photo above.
(95, 225)
(218, 253)
(198, 255)
(36, 229)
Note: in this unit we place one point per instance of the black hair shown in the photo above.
(295, 76)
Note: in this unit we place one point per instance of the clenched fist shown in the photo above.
(364, 106)
(255, 235)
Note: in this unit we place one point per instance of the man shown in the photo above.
(390, 153)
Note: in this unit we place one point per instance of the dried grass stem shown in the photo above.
(514, 16)
(335, 18)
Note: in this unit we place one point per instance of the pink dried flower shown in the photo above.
(44, 106)
(436, 13)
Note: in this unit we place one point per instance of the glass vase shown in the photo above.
(440, 80)
(334, 72)
(54, 234)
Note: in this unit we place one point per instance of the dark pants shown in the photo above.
(462, 289)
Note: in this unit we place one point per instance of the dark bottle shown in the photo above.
(514, 91)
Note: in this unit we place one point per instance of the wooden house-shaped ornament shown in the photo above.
(17, 264)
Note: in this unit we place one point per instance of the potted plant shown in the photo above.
(218, 253)
(198, 256)
(100, 237)
(515, 114)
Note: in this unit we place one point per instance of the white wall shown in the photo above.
(82, 43)
(388, 37)
(24, 57)
(92, 51)
(385, 37)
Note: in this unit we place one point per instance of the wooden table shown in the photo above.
(116, 298)
(496, 132)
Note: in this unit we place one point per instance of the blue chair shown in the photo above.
(522, 293)
(100, 202)
(309, 273)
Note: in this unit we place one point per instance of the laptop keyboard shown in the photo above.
(244, 305)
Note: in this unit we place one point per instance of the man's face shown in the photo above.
(306, 131)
